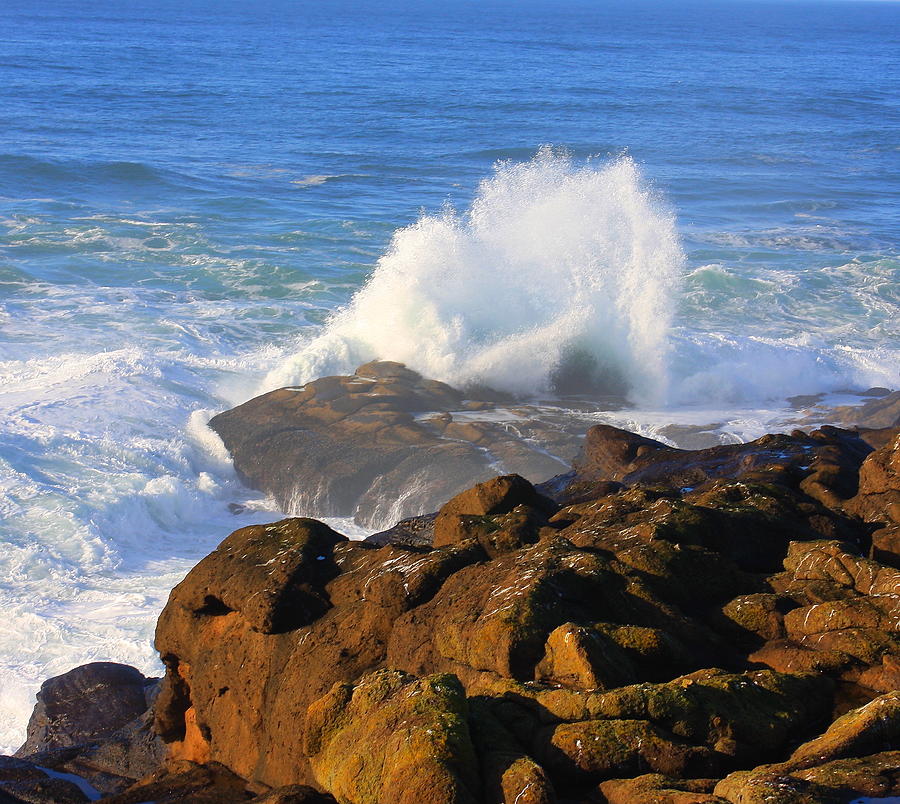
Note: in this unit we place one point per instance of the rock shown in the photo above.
(856, 755)
(23, 782)
(86, 704)
(502, 514)
(878, 499)
(529, 654)
(499, 495)
(760, 614)
(417, 531)
(584, 659)
(294, 794)
(230, 688)
(747, 525)
(844, 616)
(113, 763)
(883, 411)
(610, 453)
(272, 575)
(184, 781)
(886, 546)
(871, 729)
(509, 775)
(109, 760)
(594, 750)
(827, 459)
(496, 617)
(654, 788)
(867, 779)
(358, 445)
(410, 738)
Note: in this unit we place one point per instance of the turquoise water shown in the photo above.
(189, 191)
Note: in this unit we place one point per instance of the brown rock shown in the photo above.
(886, 546)
(835, 782)
(499, 495)
(410, 739)
(654, 788)
(881, 412)
(870, 729)
(878, 499)
(238, 696)
(272, 575)
(761, 615)
(856, 755)
(610, 453)
(584, 659)
(356, 445)
(496, 617)
(594, 750)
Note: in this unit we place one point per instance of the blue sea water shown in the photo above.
(701, 195)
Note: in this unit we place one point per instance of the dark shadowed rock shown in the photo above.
(88, 703)
(23, 782)
(110, 759)
(184, 781)
(417, 531)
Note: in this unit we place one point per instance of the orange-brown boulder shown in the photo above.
(878, 499)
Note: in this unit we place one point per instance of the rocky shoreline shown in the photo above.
(651, 626)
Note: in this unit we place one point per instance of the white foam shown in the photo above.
(559, 271)
(552, 262)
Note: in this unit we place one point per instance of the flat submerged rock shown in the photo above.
(385, 444)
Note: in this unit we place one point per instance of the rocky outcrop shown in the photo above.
(383, 444)
(826, 461)
(857, 754)
(535, 652)
(658, 625)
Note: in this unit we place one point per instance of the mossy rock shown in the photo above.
(591, 751)
(410, 741)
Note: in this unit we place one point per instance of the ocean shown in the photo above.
(199, 201)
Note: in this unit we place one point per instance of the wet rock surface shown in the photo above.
(383, 444)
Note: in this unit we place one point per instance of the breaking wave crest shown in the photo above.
(558, 277)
